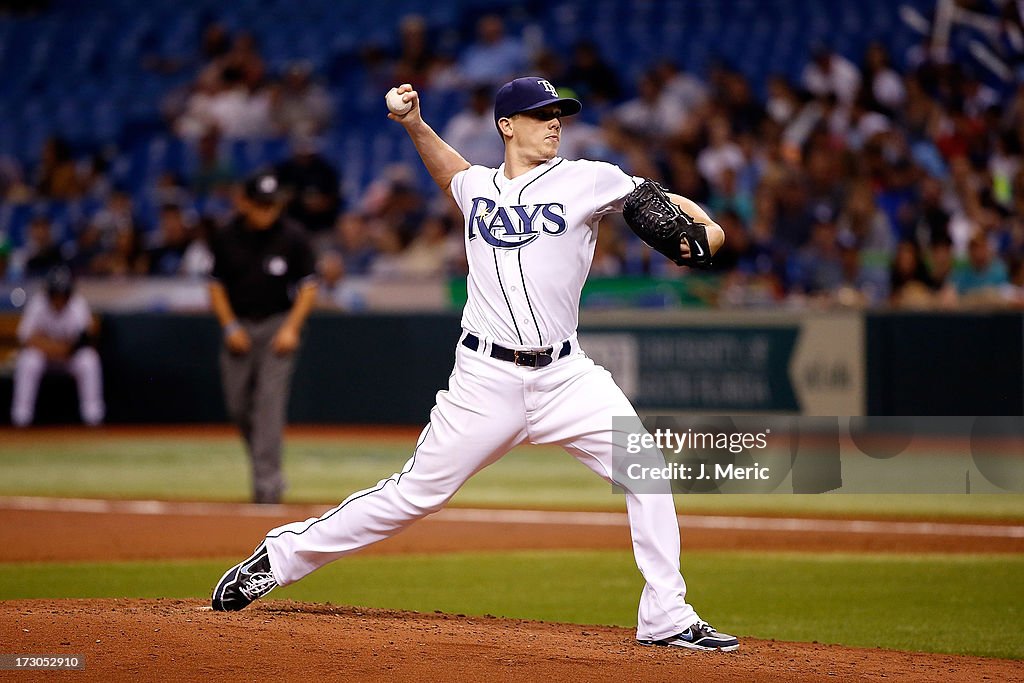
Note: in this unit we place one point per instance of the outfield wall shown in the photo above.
(385, 369)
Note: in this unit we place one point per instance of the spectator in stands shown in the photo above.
(823, 172)
(197, 262)
(818, 264)
(883, 87)
(432, 252)
(41, 251)
(122, 259)
(95, 176)
(87, 246)
(337, 291)
(394, 200)
(494, 57)
(829, 73)
(547, 64)
(739, 251)
(313, 184)
(720, 154)
(1013, 291)
(582, 140)
(241, 109)
(471, 132)
(299, 105)
(196, 120)
(737, 101)
(609, 251)
(685, 177)
(783, 103)
(865, 223)
(931, 222)
(909, 281)
(354, 242)
(215, 42)
(57, 177)
(173, 237)
(858, 124)
(983, 271)
(57, 334)
(591, 77)
(169, 188)
(726, 195)
(14, 188)
(99, 235)
(941, 265)
(417, 60)
(244, 57)
(230, 93)
(793, 217)
(686, 91)
(648, 116)
(214, 172)
(389, 261)
(854, 289)
(193, 118)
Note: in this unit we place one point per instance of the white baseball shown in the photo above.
(396, 105)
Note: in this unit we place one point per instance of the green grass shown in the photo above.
(937, 603)
(324, 471)
(321, 471)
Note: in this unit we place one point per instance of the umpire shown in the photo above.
(263, 287)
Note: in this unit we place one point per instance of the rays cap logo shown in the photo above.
(527, 93)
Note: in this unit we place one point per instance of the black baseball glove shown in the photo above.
(661, 225)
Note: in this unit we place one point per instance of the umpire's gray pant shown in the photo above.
(256, 387)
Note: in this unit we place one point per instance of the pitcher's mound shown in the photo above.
(283, 640)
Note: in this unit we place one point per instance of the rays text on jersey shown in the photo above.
(512, 227)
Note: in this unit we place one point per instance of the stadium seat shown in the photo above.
(78, 69)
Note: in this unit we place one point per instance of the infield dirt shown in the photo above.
(280, 640)
(126, 639)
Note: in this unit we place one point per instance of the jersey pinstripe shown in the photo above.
(530, 242)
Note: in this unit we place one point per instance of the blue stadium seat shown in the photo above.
(77, 69)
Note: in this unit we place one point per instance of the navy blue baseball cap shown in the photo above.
(530, 92)
(59, 281)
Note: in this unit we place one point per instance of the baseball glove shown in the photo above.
(661, 225)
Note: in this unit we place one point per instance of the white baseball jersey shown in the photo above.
(530, 241)
(65, 325)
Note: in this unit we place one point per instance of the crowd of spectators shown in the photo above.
(858, 184)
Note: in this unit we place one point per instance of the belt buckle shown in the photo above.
(531, 359)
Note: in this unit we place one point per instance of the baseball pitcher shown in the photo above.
(520, 374)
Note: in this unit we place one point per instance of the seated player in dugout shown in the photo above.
(520, 374)
(57, 334)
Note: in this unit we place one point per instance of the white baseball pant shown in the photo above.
(83, 365)
(490, 407)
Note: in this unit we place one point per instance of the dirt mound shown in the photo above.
(225, 532)
(283, 640)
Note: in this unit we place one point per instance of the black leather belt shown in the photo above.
(531, 359)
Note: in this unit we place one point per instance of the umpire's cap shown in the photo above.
(59, 281)
(264, 187)
(530, 92)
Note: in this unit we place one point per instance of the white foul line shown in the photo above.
(547, 517)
